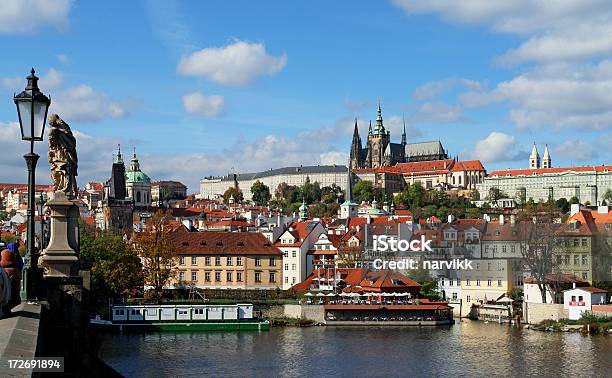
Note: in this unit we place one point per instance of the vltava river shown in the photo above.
(467, 349)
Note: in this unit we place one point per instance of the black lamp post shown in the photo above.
(41, 213)
(32, 107)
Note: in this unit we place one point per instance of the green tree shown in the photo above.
(331, 194)
(261, 193)
(563, 205)
(608, 196)
(574, 200)
(116, 269)
(310, 192)
(363, 191)
(475, 195)
(495, 194)
(232, 191)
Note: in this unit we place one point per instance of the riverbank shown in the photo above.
(592, 325)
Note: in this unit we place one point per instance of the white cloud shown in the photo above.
(438, 112)
(560, 95)
(334, 157)
(63, 58)
(52, 79)
(436, 88)
(239, 63)
(576, 150)
(497, 147)
(356, 105)
(199, 104)
(82, 103)
(555, 30)
(396, 125)
(28, 16)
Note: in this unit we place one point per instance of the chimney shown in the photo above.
(574, 209)
(451, 218)
(501, 219)
(573, 285)
(602, 209)
(369, 219)
(513, 219)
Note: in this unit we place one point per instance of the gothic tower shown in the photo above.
(546, 160)
(378, 141)
(355, 153)
(534, 158)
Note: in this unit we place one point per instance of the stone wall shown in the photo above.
(314, 313)
(19, 336)
(534, 313)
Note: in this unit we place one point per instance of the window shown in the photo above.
(217, 260)
(576, 259)
(467, 282)
(257, 261)
(194, 276)
(207, 276)
(257, 276)
(489, 283)
(286, 266)
(576, 242)
(450, 282)
(181, 276)
(442, 282)
(455, 296)
(499, 283)
(239, 276)
(239, 261)
(207, 260)
(585, 276)
(293, 280)
(458, 282)
(585, 260)
(292, 266)
(194, 260)
(585, 242)
(504, 249)
(573, 298)
(182, 260)
(272, 261)
(228, 276)
(559, 262)
(218, 276)
(489, 265)
(198, 311)
(293, 254)
(229, 261)
(477, 282)
(285, 254)
(286, 279)
(580, 298)
(272, 277)
(468, 299)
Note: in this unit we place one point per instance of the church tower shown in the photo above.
(534, 158)
(404, 134)
(348, 209)
(546, 160)
(355, 154)
(378, 141)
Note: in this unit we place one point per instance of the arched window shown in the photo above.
(137, 196)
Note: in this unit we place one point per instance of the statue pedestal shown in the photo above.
(60, 259)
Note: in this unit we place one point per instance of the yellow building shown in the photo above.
(226, 260)
(487, 281)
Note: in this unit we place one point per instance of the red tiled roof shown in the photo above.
(541, 171)
(468, 165)
(434, 166)
(221, 243)
(592, 289)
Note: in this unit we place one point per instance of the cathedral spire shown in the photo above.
(118, 158)
(370, 128)
(379, 128)
(404, 132)
(134, 164)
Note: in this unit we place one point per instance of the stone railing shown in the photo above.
(19, 336)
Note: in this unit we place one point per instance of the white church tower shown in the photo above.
(534, 158)
(546, 160)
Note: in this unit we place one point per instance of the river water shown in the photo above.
(467, 349)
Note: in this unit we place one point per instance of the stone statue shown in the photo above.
(62, 157)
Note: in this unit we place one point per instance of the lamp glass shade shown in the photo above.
(32, 118)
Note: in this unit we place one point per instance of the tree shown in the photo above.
(331, 194)
(574, 200)
(235, 192)
(363, 191)
(538, 233)
(116, 269)
(495, 194)
(413, 196)
(310, 193)
(156, 249)
(563, 205)
(607, 196)
(475, 195)
(261, 193)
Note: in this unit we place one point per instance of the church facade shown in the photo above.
(379, 151)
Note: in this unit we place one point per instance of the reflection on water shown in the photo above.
(465, 349)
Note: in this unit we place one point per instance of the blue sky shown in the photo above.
(204, 87)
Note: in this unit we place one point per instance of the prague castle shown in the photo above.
(379, 151)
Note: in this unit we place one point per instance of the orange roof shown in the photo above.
(542, 171)
(221, 243)
(468, 165)
(434, 166)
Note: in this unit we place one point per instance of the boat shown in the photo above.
(197, 317)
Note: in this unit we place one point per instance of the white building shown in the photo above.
(325, 175)
(543, 182)
(295, 242)
(582, 299)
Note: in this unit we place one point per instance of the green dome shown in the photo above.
(137, 176)
(303, 207)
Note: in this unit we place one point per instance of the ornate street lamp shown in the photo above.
(32, 107)
(41, 213)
